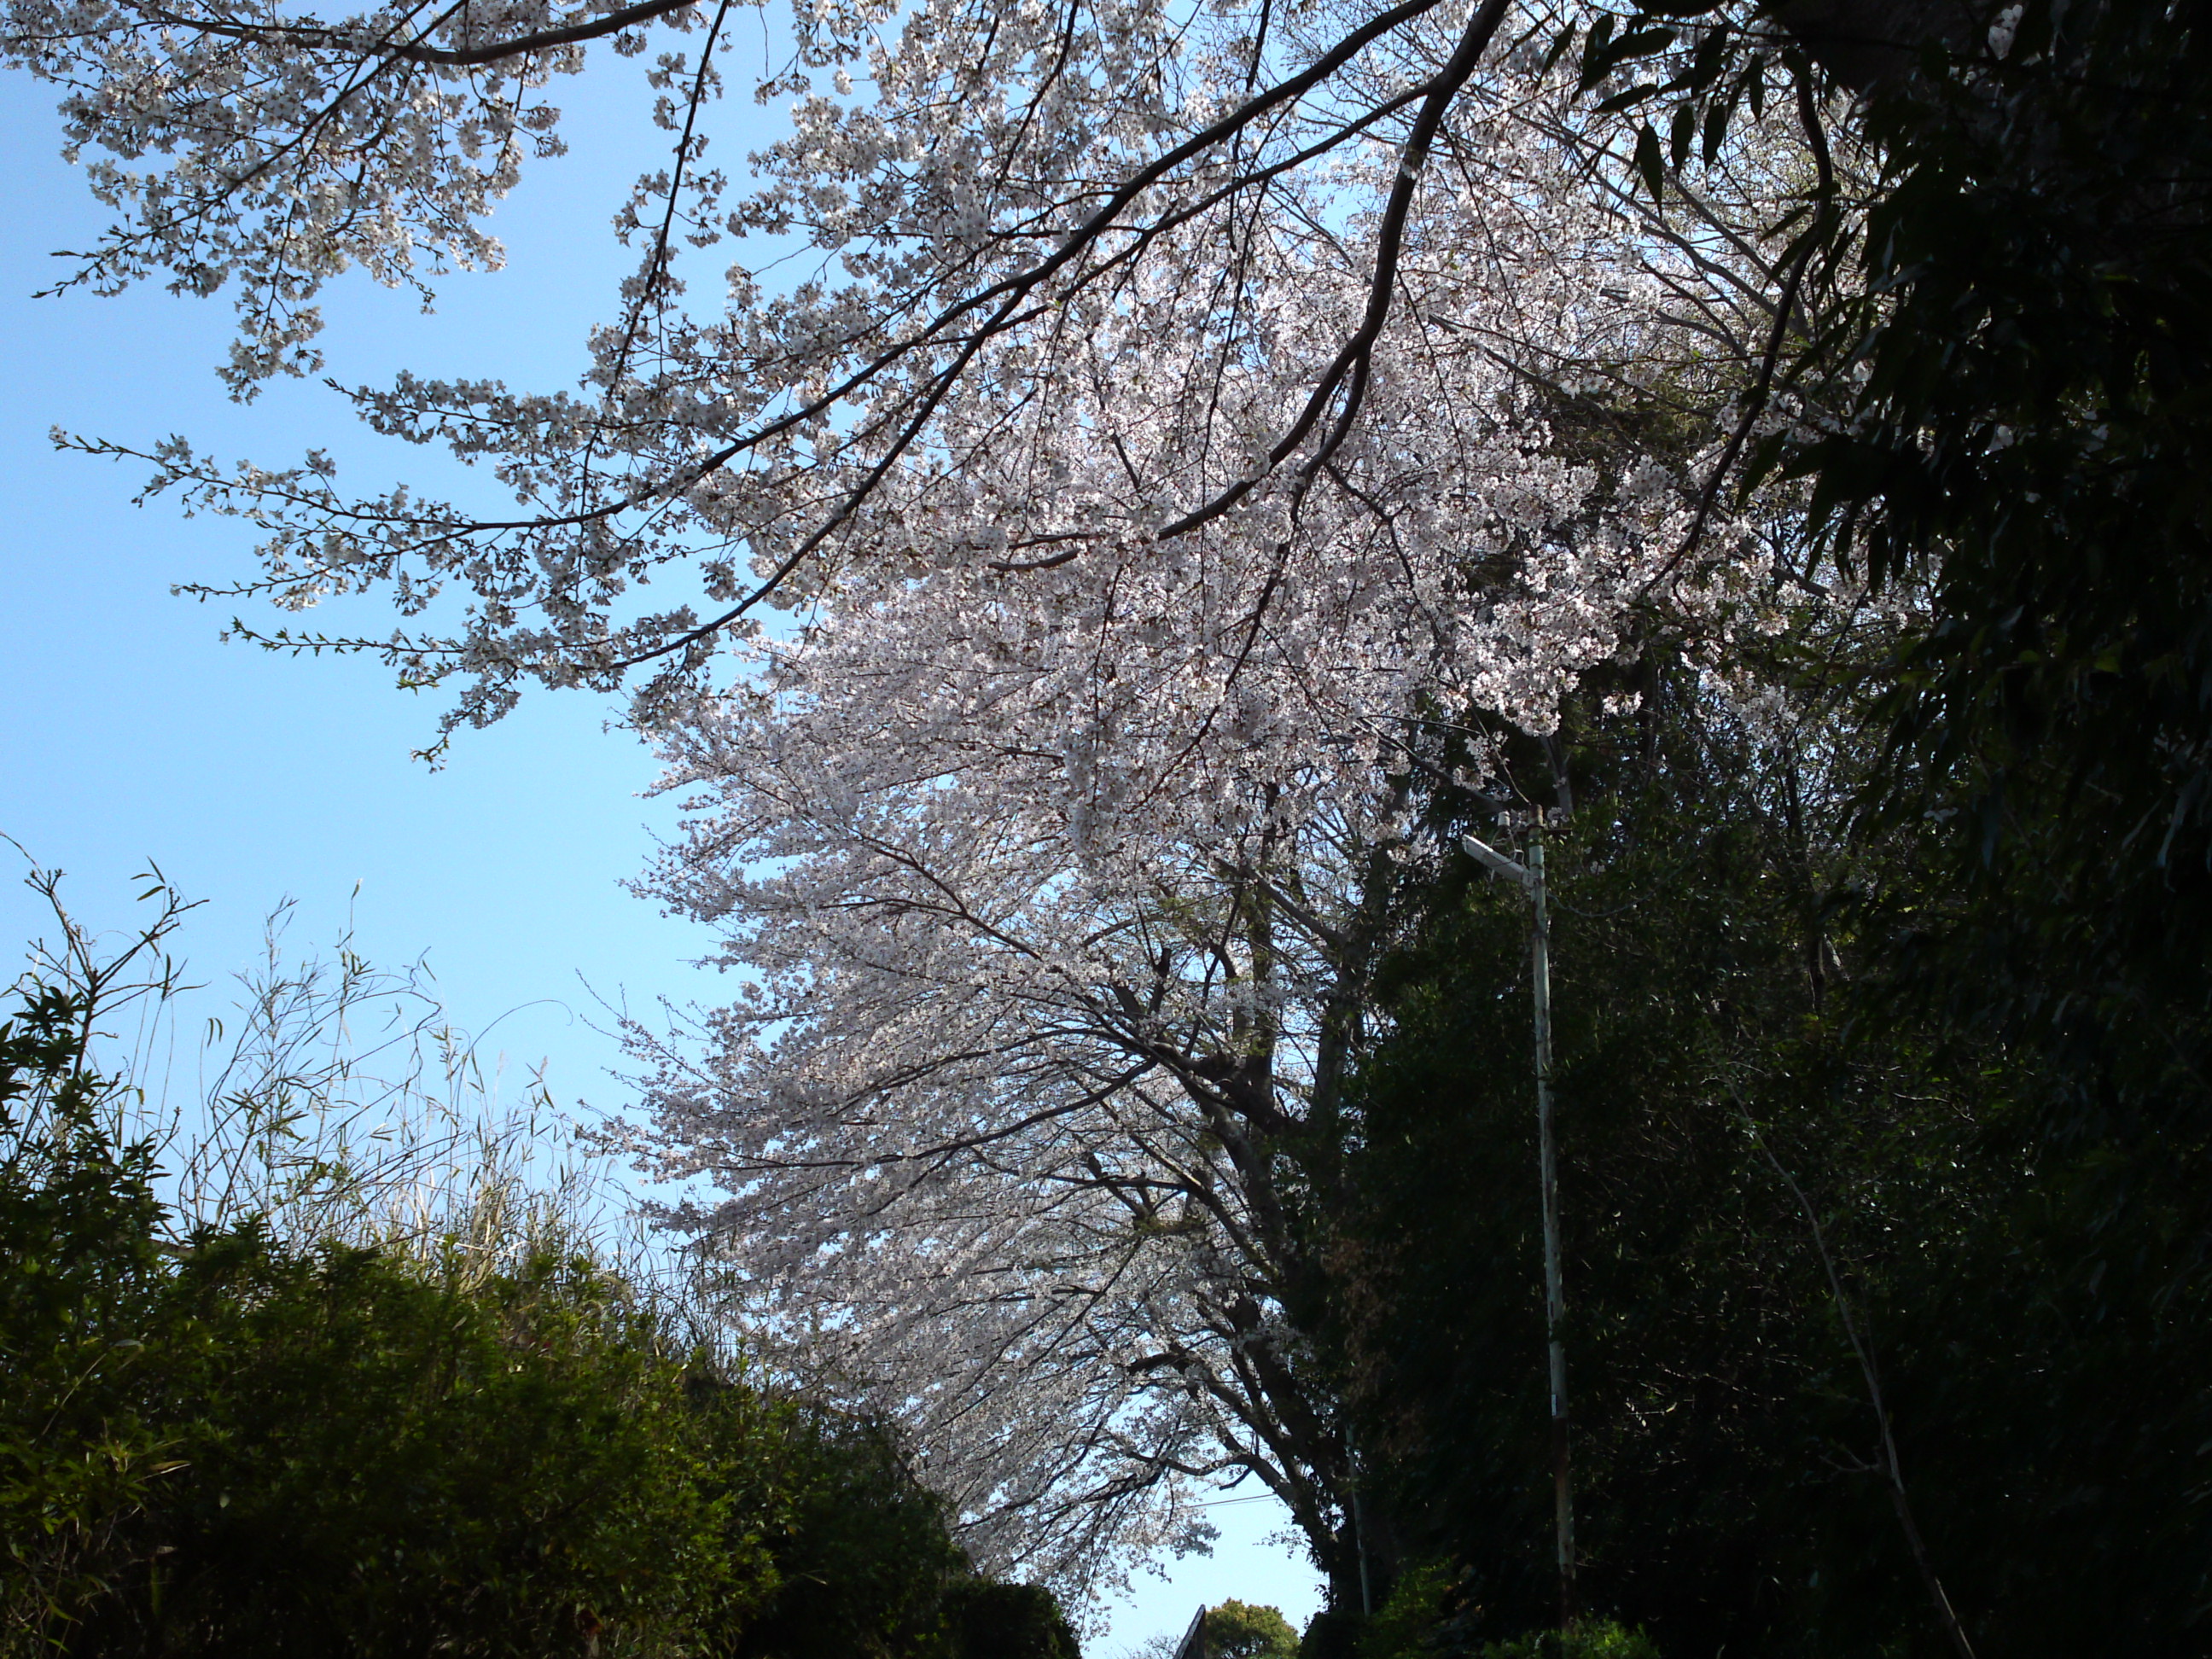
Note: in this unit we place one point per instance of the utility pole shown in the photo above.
(1531, 877)
(1359, 1526)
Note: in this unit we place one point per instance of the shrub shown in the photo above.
(230, 1439)
(1401, 1627)
(1597, 1639)
(1427, 1617)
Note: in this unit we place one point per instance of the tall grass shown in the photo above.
(334, 1101)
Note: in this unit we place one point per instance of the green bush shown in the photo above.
(79, 1284)
(221, 1441)
(1425, 1617)
(991, 1620)
(1601, 1639)
(1403, 1626)
(365, 1459)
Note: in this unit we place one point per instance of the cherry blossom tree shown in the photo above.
(1053, 854)
(1204, 422)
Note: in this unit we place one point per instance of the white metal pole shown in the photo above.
(1563, 1502)
(1358, 1527)
(1531, 876)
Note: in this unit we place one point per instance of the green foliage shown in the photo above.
(1718, 1039)
(1428, 1614)
(1332, 1633)
(1405, 1624)
(1601, 1639)
(2017, 342)
(514, 1469)
(1239, 1630)
(2007, 332)
(2031, 439)
(991, 1620)
(864, 1563)
(77, 1285)
(224, 1442)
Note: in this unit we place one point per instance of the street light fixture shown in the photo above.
(1531, 877)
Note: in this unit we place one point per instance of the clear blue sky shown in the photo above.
(132, 733)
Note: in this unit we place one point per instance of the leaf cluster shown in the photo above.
(2030, 439)
(1241, 1630)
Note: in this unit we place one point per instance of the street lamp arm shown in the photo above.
(1497, 863)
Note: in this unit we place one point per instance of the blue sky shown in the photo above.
(132, 733)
